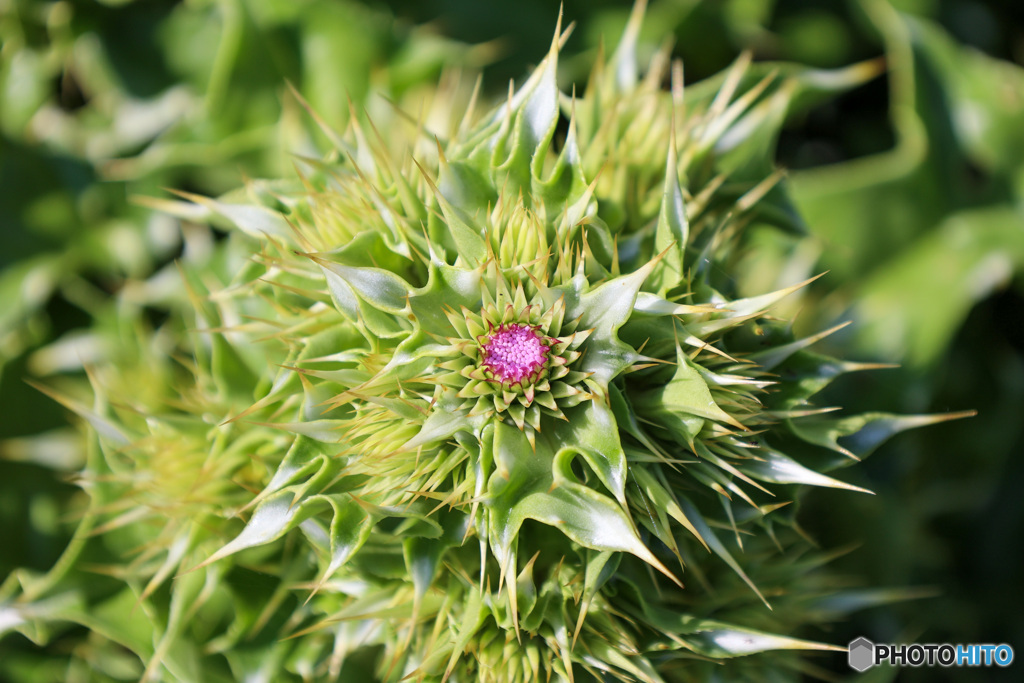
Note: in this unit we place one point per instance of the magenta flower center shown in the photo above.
(514, 352)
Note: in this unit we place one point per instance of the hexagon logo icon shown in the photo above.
(862, 654)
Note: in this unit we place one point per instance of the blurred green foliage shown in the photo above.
(911, 188)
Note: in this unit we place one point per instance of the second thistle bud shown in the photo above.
(523, 242)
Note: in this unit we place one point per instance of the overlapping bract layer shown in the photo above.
(516, 363)
(506, 399)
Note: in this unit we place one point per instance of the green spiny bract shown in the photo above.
(506, 404)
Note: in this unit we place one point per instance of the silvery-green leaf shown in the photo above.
(462, 185)
(862, 434)
(342, 293)
(350, 527)
(257, 221)
(605, 654)
(103, 426)
(624, 68)
(423, 555)
(447, 287)
(587, 517)
(440, 425)
(326, 431)
(380, 288)
(661, 499)
(672, 232)
(274, 517)
(779, 468)
(469, 241)
(716, 640)
(686, 394)
(300, 459)
(769, 359)
(605, 309)
(591, 431)
(474, 612)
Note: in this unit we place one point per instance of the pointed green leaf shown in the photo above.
(686, 394)
(257, 221)
(440, 425)
(723, 640)
(586, 517)
(271, 520)
(379, 288)
(672, 232)
(781, 469)
(862, 434)
(592, 431)
(350, 527)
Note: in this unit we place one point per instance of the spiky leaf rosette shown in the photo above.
(506, 402)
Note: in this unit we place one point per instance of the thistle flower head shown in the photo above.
(514, 353)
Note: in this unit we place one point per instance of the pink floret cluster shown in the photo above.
(514, 352)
